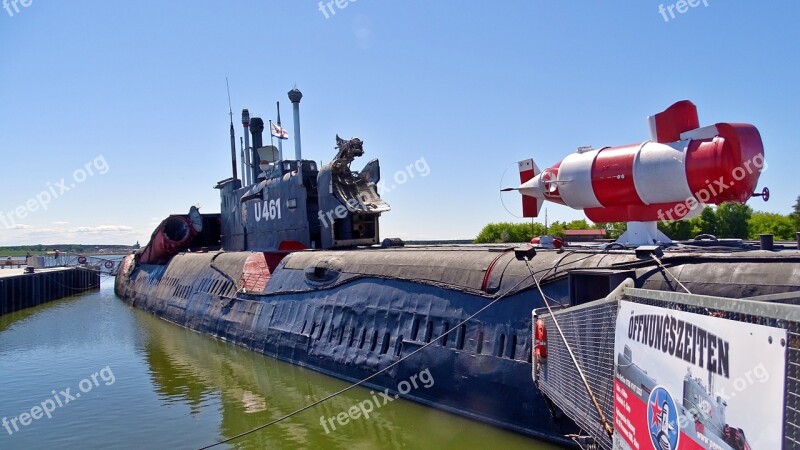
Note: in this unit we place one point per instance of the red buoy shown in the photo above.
(540, 342)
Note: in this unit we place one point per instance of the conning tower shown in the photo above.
(293, 204)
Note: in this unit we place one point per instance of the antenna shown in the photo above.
(233, 134)
(241, 156)
(230, 109)
(280, 141)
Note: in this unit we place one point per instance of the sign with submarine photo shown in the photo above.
(685, 381)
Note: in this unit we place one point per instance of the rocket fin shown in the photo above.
(530, 205)
(667, 126)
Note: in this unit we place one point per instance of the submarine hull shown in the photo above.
(349, 314)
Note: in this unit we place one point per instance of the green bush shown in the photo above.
(728, 220)
(509, 232)
(506, 232)
(769, 223)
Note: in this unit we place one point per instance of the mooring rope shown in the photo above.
(49, 275)
(512, 290)
(664, 268)
(603, 419)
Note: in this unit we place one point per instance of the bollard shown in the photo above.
(767, 242)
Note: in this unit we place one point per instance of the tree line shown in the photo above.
(728, 220)
(40, 249)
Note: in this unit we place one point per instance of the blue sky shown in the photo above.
(471, 87)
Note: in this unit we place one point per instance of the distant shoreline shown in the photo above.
(66, 249)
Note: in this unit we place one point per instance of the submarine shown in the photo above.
(294, 267)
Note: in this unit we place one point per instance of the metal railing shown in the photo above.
(590, 331)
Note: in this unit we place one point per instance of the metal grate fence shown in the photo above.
(589, 329)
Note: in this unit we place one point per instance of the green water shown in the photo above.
(145, 383)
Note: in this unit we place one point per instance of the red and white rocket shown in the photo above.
(669, 177)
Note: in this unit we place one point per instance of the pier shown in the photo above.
(20, 290)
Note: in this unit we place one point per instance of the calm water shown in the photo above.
(146, 383)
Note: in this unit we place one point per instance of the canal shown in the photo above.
(91, 372)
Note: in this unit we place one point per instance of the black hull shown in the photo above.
(369, 308)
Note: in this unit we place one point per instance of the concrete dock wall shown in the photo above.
(19, 290)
